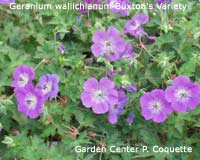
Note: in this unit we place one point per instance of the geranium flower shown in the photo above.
(155, 106)
(119, 6)
(30, 101)
(130, 118)
(61, 48)
(133, 26)
(183, 94)
(129, 53)
(7, 1)
(99, 95)
(115, 110)
(22, 76)
(48, 85)
(108, 43)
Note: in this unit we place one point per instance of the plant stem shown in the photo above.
(39, 64)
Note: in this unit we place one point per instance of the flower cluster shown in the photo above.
(31, 98)
(183, 95)
(102, 96)
(111, 45)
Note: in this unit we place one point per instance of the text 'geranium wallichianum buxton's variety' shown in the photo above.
(31, 99)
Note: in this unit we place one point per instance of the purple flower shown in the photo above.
(130, 88)
(7, 1)
(130, 118)
(48, 85)
(164, 1)
(78, 21)
(30, 101)
(108, 43)
(115, 110)
(22, 76)
(129, 53)
(133, 26)
(155, 106)
(61, 48)
(99, 95)
(183, 94)
(111, 73)
(82, 6)
(119, 6)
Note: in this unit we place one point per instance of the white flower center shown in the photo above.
(47, 88)
(183, 94)
(108, 47)
(31, 101)
(23, 80)
(99, 95)
(156, 106)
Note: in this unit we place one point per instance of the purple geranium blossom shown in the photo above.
(130, 118)
(128, 53)
(111, 74)
(183, 94)
(164, 1)
(61, 48)
(115, 110)
(108, 43)
(119, 6)
(22, 76)
(30, 101)
(131, 88)
(99, 95)
(83, 5)
(155, 106)
(7, 1)
(133, 26)
(48, 85)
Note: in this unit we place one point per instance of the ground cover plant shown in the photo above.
(101, 78)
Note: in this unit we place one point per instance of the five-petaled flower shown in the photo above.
(183, 94)
(30, 101)
(99, 95)
(155, 106)
(22, 76)
(48, 85)
(108, 43)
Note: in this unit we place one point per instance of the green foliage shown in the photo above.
(28, 37)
